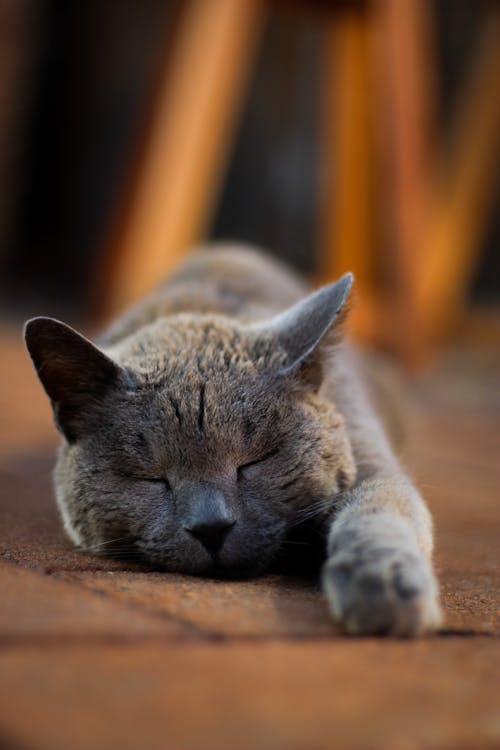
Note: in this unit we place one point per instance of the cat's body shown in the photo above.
(219, 416)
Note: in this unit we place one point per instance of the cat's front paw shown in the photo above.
(381, 591)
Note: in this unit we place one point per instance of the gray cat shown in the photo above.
(222, 417)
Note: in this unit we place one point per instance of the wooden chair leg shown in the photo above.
(441, 195)
(186, 147)
(462, 190)
(346, 210)
(405, 65)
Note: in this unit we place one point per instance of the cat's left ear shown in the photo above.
(305, 330)
(75, 374)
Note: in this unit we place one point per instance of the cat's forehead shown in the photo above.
(207, 346)
(203, 385)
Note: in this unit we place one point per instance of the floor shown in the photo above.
(104, 655)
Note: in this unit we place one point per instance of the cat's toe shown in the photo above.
(389, 594)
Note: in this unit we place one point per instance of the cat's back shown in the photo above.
(231, 279)
(253, 278)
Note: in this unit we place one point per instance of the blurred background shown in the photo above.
(340, 135)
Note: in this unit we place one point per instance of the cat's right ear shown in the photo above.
(75, 374)
(306, 331)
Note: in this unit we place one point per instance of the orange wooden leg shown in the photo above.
(187, 146)
(345, 168)
(406, 104)
(462, 190)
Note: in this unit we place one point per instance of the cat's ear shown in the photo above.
(75, 374)
(305, 330)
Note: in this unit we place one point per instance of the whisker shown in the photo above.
(121, 554)
(118, 549)
(316, 507)
(109, 541)
(312, 511)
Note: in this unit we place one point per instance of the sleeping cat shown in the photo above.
(222, 415)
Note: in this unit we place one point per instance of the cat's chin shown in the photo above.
(219, 569)
(212, 568)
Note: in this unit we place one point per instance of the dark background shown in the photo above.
(76, 82)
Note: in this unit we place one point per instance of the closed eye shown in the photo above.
(160, 480)
(152, 480)
(241, 469)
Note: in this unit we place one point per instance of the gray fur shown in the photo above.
(223, 400)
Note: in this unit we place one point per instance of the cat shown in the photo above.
(223, 414)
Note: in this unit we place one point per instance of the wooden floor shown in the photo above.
(99, 654)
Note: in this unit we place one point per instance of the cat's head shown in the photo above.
(197, 442)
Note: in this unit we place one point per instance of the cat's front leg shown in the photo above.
(378, 577)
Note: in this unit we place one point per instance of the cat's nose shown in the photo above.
(211, 533)
(206, 514)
